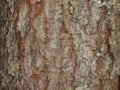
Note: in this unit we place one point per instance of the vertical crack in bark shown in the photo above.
(21, 43)
(98, 62)
(119, 82)
(116, 82)
(46, 73)
(108, 30)
(36, 9)
(100, 86)
(60, 43)
(89, 11)
(46, 84)
(69, 8)
(21, 53)
(47, 31)
(73, 56)
(46, 61)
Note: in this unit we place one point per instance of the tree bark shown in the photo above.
(59, 45)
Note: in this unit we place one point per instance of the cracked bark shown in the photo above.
(59, 45)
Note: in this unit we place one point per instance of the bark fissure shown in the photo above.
(108, 31)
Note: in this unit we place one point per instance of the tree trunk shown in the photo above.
(59, 45)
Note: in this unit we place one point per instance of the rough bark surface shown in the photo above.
(59, 45)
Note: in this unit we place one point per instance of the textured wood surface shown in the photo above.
(60, 44)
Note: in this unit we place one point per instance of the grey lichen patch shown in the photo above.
(23, 19)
